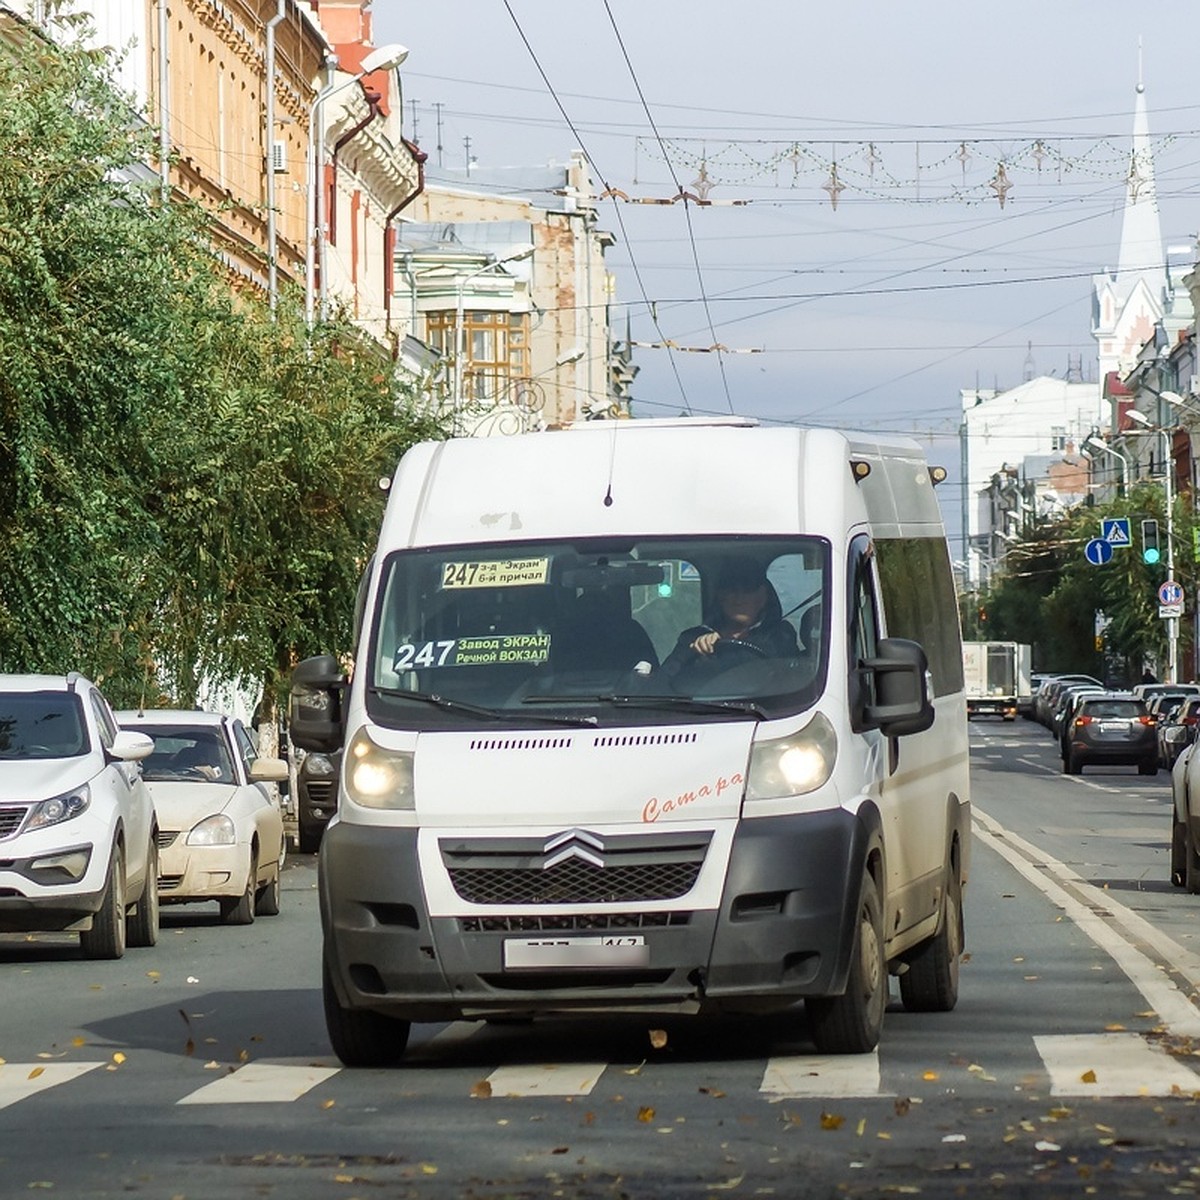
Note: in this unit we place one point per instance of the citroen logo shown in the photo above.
(573, 843)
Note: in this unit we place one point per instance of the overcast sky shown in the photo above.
(919, 283)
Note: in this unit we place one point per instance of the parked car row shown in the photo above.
(104, 816)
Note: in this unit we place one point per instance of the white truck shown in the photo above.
(646, 716)
(997, 676)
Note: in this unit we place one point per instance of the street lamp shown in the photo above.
(460, 337)
(1168, 467)
(1097, 444)
(383, 58)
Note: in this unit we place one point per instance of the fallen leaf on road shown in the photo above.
(78, 1041)
(635, 1070)
(561, 1150)
(428, 1169)
(36, 1072)
(930, 1076)
(328, 1103)
(832, 1121)
(153, 975)
(901, 1105)
(715, 1093)
(645, 1115)
(118, 1058)
(955, 1137)
(658, 1038)
(728, 1185)
(1047, 1146)
(481, 1090)
(1088, 1077)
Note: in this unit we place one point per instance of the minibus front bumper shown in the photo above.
(783, 931)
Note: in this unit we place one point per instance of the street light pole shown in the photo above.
(1169, 497)
(1098, 444)
(382, 58)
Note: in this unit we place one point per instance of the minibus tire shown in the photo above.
(931, 982)
(852, 1022)
(359, 1037)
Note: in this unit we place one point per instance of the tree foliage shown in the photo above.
(189, 483)
(1050, 594)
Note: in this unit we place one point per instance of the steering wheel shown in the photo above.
(734, 647)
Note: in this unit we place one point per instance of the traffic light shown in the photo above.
(1150, 551)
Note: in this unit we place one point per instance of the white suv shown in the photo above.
(78, 837)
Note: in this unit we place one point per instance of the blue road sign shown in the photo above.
(1170, 593)
(1115, 531)
(1098, 552)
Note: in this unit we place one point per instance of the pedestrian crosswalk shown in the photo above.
(1108, 1065)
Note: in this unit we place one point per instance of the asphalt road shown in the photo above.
(200, 1068)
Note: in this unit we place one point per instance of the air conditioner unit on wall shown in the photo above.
(279, 158)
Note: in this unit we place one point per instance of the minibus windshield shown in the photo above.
(643, 631)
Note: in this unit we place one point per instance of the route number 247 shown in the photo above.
(431, 654)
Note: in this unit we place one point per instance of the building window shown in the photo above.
(496, 350)
(1058, 438)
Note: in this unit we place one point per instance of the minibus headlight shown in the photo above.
(793, 765)
(378, 778)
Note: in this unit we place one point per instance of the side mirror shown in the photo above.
(268, 770)
(902, 694)
(131, 746)
(315, 709)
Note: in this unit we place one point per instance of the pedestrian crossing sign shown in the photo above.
(1115, 531)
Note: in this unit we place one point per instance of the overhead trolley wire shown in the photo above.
(616, 207)
(679, 190)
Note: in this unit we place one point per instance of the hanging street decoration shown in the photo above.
(964, 171)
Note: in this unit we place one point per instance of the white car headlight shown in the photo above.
(59, 808)
(216, 830)
(793, 765)
(378, 778)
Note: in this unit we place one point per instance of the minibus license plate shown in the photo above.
(558, 953)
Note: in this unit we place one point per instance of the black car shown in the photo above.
(1115, 730)
(316, 797)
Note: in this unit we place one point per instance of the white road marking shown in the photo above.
(1087, 906)
(550, 1079)
(1113, 1064)
(262, 1083)
(18, 1081)
(805, 1075)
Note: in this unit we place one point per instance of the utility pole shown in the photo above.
(437, 108)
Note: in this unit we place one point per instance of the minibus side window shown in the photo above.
(863, 631)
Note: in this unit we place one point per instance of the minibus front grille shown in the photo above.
(575, 882)
(577, 866)
(575, 923)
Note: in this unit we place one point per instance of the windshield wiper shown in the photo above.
(475, 710)
(682, 703)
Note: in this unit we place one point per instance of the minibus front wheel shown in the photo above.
(360, 1037)
(852, 1022)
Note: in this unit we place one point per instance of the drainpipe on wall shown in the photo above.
(330, 234)
(389, 243)
(269, 148)
(164, 104)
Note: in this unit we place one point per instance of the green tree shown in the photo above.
(1050, 594)
(190, 486)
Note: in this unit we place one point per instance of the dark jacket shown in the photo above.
(772, 635)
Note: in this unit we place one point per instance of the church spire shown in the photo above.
(1141, 253)
(1127, 302)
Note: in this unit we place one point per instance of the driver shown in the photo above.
(747, 612)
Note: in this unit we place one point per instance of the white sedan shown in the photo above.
(1185, 820)
(221, 833)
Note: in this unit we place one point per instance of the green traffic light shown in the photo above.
(1150, 555)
